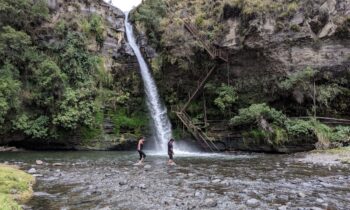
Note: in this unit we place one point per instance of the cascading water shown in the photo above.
(161, 123)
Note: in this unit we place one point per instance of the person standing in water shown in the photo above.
(139, 149)
(171, 152)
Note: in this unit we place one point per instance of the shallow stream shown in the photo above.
(109, 180)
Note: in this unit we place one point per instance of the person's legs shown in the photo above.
(140, 153)
(170, 161)
(143, 156)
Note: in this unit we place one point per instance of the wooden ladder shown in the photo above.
(199, 135)
(199, 87)
(205, 141)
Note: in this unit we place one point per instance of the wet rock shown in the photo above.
(319, 200)
(147, 167)
(282, 208)
(199, 194)
(226, 183)
(38, 175)
(8, 149)
(123, 182)
(315, 208)
(142, 186)
(39, 162)
(298, 19)
(283, 198)
(43, 194)
(301, 195)
(209, 202)
(215, 181)
(57, 164)
(253, 202)
(330, 206)
(32, 171)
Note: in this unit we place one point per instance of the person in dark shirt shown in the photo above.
(139, 149)
(171, 152)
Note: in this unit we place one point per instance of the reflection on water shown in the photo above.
(97, 180)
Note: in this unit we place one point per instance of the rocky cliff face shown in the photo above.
(268, 42)
(316, 34)
(114, 45)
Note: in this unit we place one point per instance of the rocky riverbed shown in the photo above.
(109, 180)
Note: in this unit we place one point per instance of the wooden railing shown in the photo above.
(328, 120)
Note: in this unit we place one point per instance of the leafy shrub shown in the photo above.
(9, 88)
(226, 97)
(33, 127)
(341, 134)
(95, 26)
(133, 123)
(252, 114)
(298, 128)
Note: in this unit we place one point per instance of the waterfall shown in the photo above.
(160, 121)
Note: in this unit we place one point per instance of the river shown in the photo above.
(109, 180)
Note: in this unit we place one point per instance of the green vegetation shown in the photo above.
(95, 27)
(129, 123)
(48, 89)
(310, 84)
(250, 7)
(226, 97)
(256, 112)
(265, 123)
(150, 14)
(15, 185)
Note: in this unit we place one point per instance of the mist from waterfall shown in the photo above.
(160, 122)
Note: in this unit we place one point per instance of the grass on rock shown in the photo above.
(15, 186)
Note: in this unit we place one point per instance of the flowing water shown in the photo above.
(108, 180)
(161, 124)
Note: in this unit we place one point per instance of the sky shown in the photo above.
(125, 5)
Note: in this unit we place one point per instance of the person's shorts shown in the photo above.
(171, 156)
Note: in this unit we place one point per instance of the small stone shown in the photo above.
(32, 171)
(39, 162)
(216, 181)
(253, 202)
(319, 200)
(199, 194)
(282, 208)
(142, 186)
(57, 164)
(283, 198)
(209, 202)
(147, 167)
(123, 182)
(37, 175)
(13, 191)
(301, 195)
